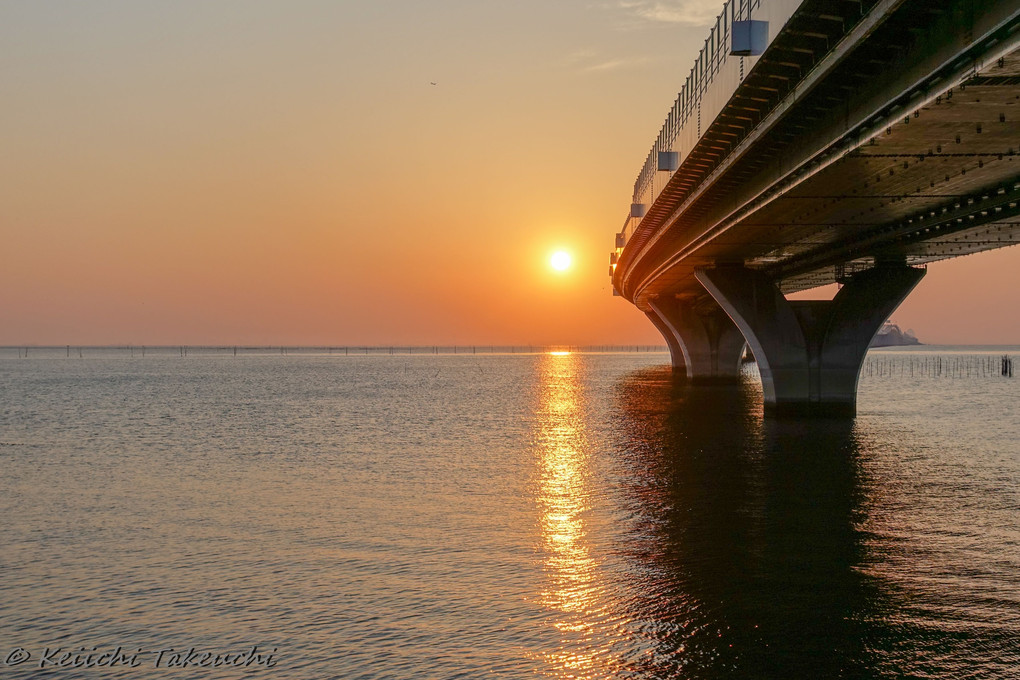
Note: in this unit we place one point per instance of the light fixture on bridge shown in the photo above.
(749, 38)
(621, 239)
(638, 209)
(669, 160)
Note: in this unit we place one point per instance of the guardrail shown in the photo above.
(684, 125)
(712, 56)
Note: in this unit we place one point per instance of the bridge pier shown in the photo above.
(676, 352)
(809, 353)
(706, 345)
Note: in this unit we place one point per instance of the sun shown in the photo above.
(560, 260)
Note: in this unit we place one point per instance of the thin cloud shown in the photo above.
(687, 12)
(615, 64)
(580, 57)
(593, 61)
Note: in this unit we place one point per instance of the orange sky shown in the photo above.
(262, 172)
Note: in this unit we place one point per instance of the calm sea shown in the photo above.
(504, 516)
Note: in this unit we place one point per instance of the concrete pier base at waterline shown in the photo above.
(809, 352)
(704, 344)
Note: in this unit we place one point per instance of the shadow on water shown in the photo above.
(748, 532)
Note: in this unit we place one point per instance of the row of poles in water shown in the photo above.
(933, 366)
(184, 350)
(938, 366)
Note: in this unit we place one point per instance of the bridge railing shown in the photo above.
(710, 84)
(712, 54)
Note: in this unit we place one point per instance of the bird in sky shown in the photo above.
(431, 83)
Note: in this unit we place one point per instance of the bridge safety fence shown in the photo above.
(704, 93)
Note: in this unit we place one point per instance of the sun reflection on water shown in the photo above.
(573, 590)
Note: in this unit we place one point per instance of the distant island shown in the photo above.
(890, 335)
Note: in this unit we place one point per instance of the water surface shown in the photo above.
(528, 516)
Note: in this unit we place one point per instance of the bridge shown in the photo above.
(818, 142)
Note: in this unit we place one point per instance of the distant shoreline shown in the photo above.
(890, 335)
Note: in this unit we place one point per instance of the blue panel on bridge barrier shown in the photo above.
(750, 38)
(669, 160)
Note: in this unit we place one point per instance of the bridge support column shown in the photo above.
(810, 352)
(676, 352)
(708, 343)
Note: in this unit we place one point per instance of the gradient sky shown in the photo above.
(267, 172)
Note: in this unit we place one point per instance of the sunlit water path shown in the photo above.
(528, 516)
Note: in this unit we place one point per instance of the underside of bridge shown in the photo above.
(843, 157)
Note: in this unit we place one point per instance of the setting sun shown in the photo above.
(560, 260)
